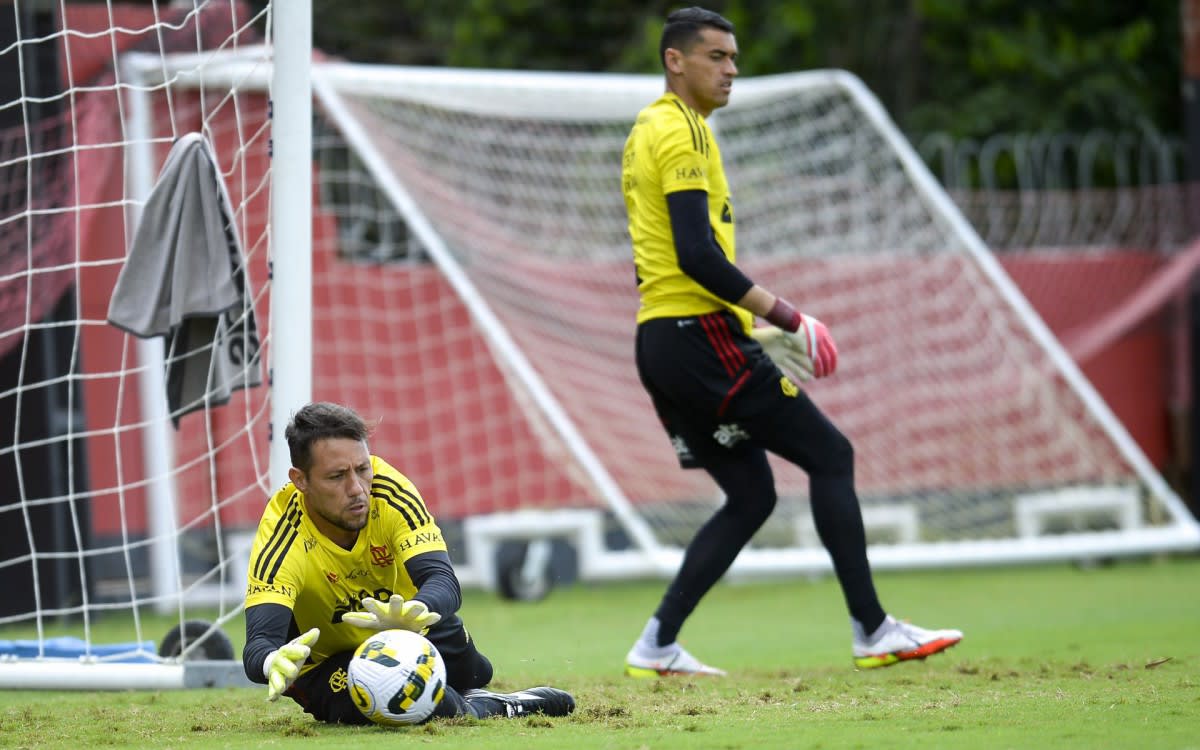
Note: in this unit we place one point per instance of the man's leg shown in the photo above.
(799, 432)
(749, 487)
(466, 667)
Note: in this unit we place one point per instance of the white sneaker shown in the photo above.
(897, 641)
(677, 662)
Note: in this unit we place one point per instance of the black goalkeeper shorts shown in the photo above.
(718, 395)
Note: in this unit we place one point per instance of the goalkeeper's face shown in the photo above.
(337, 487)
(702, 75)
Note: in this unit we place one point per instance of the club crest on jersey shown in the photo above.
(788, 387)
(381, 556)
(730, 435)
(331, 576)
(339, 680)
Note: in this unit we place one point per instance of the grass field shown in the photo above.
(1053, 657)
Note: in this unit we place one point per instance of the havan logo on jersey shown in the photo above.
(416, 540)
(270, 588)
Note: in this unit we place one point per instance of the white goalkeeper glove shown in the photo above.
(813, 339)
(394, 613)
(778, 345)
(283, 664)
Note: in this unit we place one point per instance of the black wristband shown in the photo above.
(784, 316)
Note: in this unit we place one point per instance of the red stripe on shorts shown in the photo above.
(722, 342)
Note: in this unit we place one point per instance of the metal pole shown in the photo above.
(158, 440)
(291, 223)
(1190, 26)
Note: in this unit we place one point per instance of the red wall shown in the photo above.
(1133, 374)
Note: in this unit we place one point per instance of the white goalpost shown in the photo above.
(978, 439)
(129, 544)
(460, 274)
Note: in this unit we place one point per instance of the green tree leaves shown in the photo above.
(967, 67)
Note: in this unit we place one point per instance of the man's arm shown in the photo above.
(697, 250)
(437, 584)
(438, 596)
(280, 666)
(268, 626)
(702, 260)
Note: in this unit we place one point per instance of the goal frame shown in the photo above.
(583, 528)
(472, 91)
(290, 87)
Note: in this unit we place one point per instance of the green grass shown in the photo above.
(1053, 657)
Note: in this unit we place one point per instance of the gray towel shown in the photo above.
(185, 278)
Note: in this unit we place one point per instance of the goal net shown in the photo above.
(125, 513)
(484, 264)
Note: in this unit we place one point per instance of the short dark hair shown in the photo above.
(683, 28)
(318, 421)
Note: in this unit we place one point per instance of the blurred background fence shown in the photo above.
(1090, 190)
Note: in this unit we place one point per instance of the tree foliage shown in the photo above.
(1068, 65)
(967, 67)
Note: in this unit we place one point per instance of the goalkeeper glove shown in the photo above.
(779, 346)
(814, 339)
(283, 664)
(394, 613)
(807, 335)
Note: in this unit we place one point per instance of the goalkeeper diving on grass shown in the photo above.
(727, 392)
(345, 549)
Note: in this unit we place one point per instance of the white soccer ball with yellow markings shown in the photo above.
(397, 677)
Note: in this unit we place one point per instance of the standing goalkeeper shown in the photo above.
(347, 548)
(718, 384)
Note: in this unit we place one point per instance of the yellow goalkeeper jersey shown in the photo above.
(293, 564)
(671, 148)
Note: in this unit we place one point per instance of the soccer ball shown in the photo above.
(397, 677)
